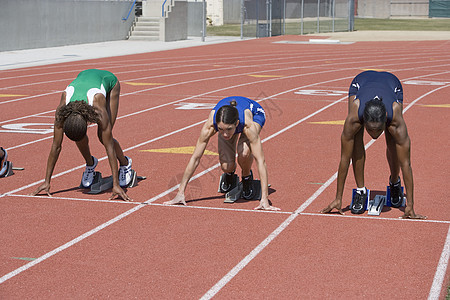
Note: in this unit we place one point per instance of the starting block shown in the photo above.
(236, 193)
(365, 204)
(376, 205)
(9, 169)
(234, 183)
(100, 184)
(388, 197)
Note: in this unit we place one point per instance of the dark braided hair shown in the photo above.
(375, 111)
(228, 114)
(74, 118)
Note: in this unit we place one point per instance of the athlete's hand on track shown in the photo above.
(179, 198)
(43, 187)
(265, 205)
(336, 204)
(118, 191)
(410, 214)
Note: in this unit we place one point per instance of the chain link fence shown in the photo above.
(262, 18)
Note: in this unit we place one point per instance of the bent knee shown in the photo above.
(228, 167)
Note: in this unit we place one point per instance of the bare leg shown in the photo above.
(83, 146)
(112, 106)
(245, 156)
(391, 155)
(359, 158)
(113, 99)
(227, 153)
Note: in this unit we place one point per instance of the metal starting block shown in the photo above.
(376, 205)
(366, 204)
(236, 193)
(101, 184)
(388, 197)
(233, 185)
(9, 169)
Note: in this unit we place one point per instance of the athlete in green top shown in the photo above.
(93, 97)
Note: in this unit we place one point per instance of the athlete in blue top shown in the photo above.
(376, 103)
(239, 121)
(93, 97)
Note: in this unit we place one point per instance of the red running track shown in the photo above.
(77, 245)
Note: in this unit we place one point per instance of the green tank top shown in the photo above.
(89, 83)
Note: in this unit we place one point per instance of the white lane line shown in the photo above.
(73, 199)
(69, 244)
(232, 273)
(337, 215)
(441, 269)
(121, 216)
(223, 209)
(102, 158)
(246, 260)
(196, 96)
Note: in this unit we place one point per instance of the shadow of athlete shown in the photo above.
(239, 121)
(93, 97)
(376, 103)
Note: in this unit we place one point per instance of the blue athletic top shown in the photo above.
(259, 116)
(370, 84)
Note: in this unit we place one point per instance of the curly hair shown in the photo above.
(375, 111)
(74, 118)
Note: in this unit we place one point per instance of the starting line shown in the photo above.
(335, 215)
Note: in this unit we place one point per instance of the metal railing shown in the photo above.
(129, 11)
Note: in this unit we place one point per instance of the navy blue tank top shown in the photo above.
(371, 84)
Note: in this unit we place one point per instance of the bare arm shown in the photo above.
(105, 131)
(399, 132)
(351, 126)
(58, 135)
(205, 134)
(252, 132)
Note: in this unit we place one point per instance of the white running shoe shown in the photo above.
(3, 161)
(88, 174)
(125, 173)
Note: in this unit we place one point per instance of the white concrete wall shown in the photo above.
(153, 8)
(174, 26)
(26, 24)
(214, 11)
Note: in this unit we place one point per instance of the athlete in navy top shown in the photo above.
(375, 102)
(372, 84)
(239, 121)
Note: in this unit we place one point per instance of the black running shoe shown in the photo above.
(396, 194)
(227, 183)
(358, 203)
(248, 192)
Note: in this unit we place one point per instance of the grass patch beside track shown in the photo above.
(440, 24)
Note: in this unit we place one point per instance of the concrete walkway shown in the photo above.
(44, 56)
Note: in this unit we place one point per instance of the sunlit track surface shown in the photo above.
(80, 245)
